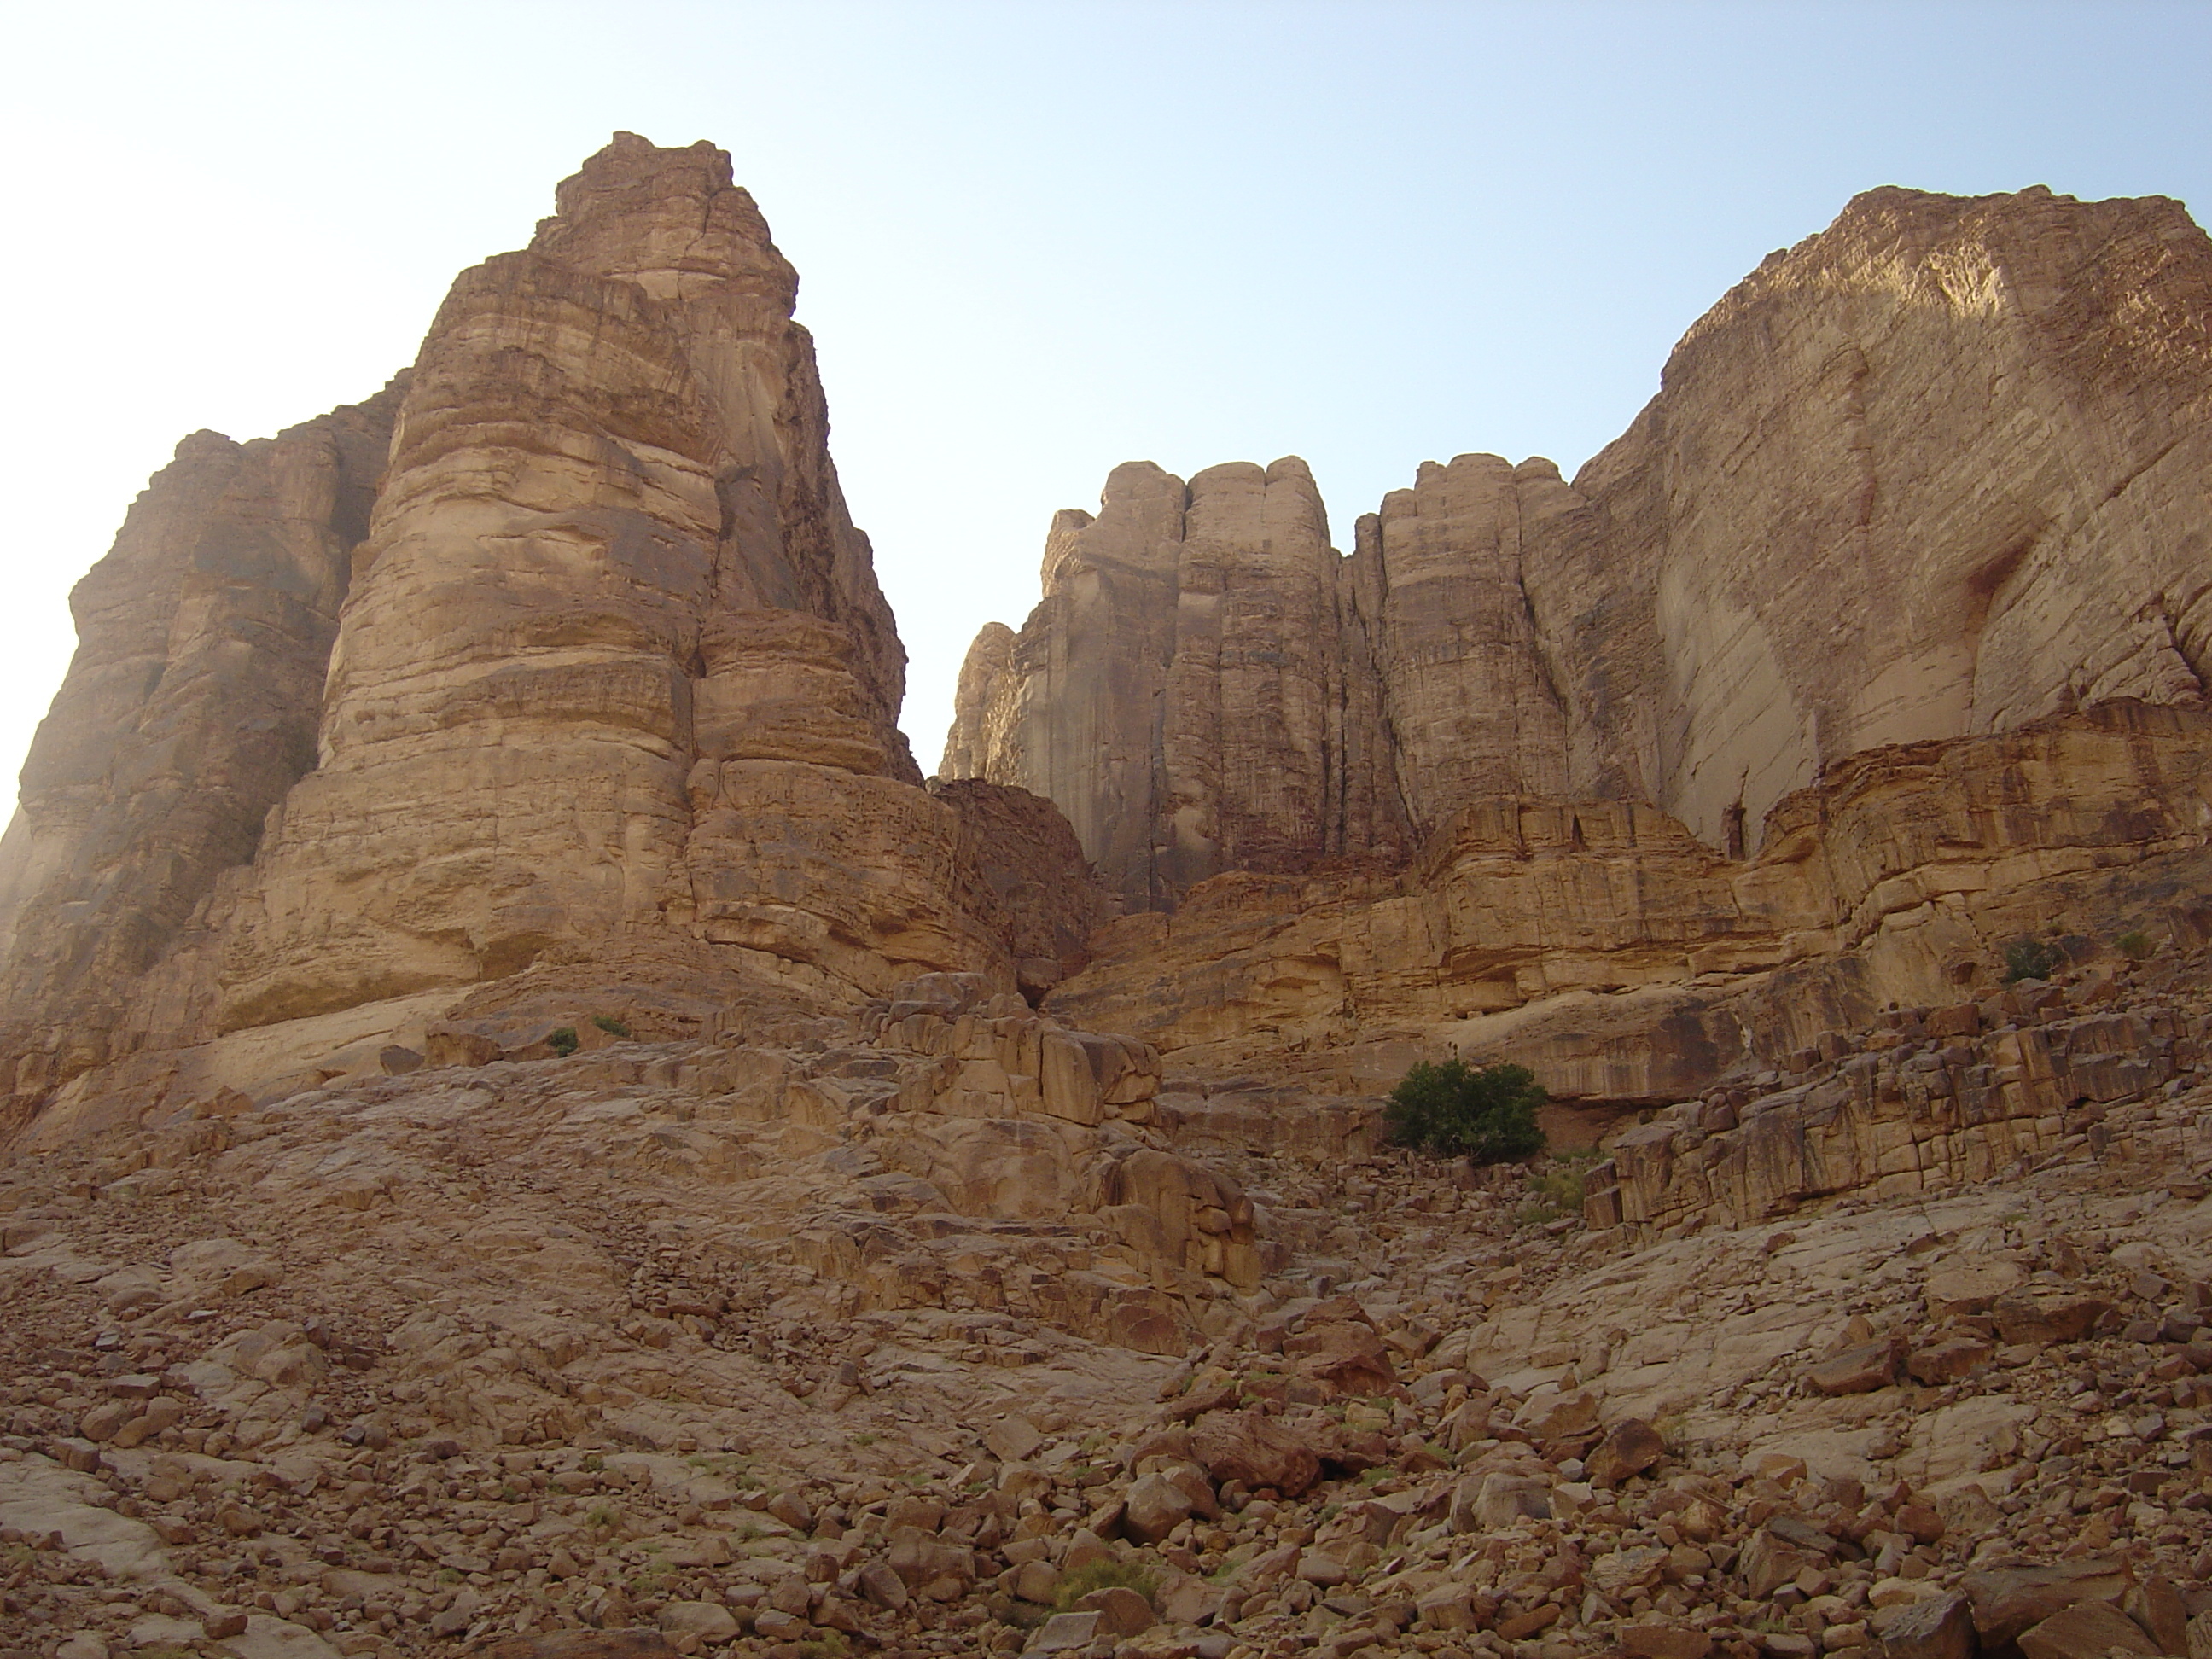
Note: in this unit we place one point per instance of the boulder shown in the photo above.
(1665, 1642)
(2088, 1630)
(634, 1644)
(1937, 1626)
(1630, 1447)
(1065, 1632)
(2009, 1597)
(1121, 1611)
(1494, 1501)
(2042, 1318)
(1861, 1370)
(708, 1621)
(1154, 1507)
(1348, 1355)
(1257, 1450)
(1770, 1560)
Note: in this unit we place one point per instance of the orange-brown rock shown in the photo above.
(1182, 691)
(615, 656)
(189, 711)
(1600, 944)
(1931, 473)
(612, 683)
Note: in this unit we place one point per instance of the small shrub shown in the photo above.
(2029, 958)
(611, 1026)
(600, 1514)
(563, 1041)
(2136, 946)
(1561, 1186)
(1102, 1575)
(1488, 1115)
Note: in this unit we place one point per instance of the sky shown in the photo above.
(1035, 240)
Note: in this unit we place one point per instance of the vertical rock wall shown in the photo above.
(1939, 470)
(1193, 690)
(566, 651)
(611, 621)
(188, 712)
(1468, 696)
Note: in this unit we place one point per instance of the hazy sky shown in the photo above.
(1034, 240)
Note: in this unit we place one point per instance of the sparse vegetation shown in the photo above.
(2029, 958)
(2136, 945)
(611, 1026)
(1561, 1185)
(563, 1041)
(1102, 1575)
(1487, 1114)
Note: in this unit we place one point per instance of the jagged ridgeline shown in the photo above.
(533, 1131)
(1877, 640)
(1876, 643)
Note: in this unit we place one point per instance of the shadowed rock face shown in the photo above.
(1936, 471)
(189, 710)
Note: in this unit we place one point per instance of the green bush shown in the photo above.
(1487, 1115)
(563, 1040)
(611, 1026)
(2136, 946)
(2029, 958)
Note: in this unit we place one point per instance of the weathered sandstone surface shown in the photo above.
(1934, 472)
(615, 653)
(716, 1348)
(1182, 692)
(563, 650)
(190, 710)
(536, 1134)
(1638, 779)
(1600, 944)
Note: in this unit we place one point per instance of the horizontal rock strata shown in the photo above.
(1602, 945)
(1926, 1103)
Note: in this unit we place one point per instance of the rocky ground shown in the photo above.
(467, 1357)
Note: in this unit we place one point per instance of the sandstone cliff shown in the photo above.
(508, 1186)
(189, 711)
(563, 651)
(1193, 691)
(1936, 471)
(1600, 944)
(1934, 477)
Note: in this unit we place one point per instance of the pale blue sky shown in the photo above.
(1034, 240)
